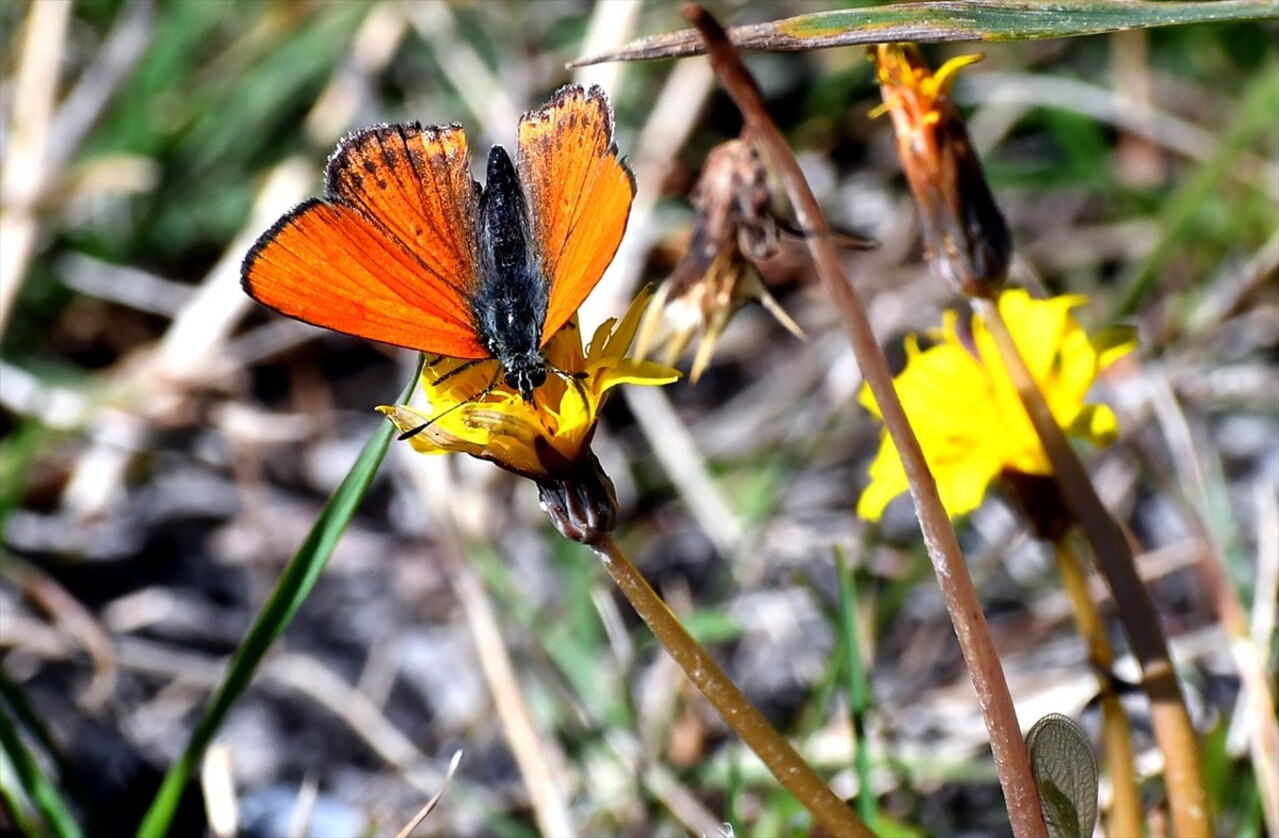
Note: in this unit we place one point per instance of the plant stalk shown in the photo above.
(1173, 731)
(790, 769)
(993, 696)
(1116, 729)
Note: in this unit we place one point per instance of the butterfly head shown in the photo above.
(525, 373)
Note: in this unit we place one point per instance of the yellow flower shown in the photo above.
(965, 233)
(547, 439)
(912, 92)
(964, 409)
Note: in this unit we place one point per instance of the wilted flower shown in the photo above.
(964, 231)
(546, 439)
(740, 219)
(735, 226)
(965, 410)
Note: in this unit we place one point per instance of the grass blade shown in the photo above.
(1254, 115)
(946, 22)
(38, 788)
(296, 582)
(858, 689)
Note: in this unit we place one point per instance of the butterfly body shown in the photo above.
(510, 300)
(406, 248)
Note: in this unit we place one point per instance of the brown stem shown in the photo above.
(999, 714)
(771, 747)
(1116, 731)
(1173, 731)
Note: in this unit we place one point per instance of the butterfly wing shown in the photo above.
(579, 194)
(391, 255)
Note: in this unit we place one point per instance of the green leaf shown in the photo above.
(296, 582)
(946, 22)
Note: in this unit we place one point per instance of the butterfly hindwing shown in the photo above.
(579, 194)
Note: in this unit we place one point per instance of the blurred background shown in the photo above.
(166, 443)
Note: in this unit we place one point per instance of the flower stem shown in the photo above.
(1173, 731)
(835, 817)
(1116, 731)
(999, 714)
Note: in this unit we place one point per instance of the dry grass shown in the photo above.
(167, 444)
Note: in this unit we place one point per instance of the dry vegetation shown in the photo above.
(167, 444)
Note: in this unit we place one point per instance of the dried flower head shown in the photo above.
(736, 225)
(965, 233)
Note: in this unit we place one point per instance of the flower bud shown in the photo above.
(965, 233)
(583, 505)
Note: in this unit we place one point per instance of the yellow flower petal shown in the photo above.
(1097, 424)
(1113, 343)
(630, 371)
(473, 411)
(966, 414)
(947, 73)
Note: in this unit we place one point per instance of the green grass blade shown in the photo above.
(38, 788)
(17, 453)
(16, 702)
(858, 689)
(296, 582)
(948, 22)
(1254, 114)
(734, 785)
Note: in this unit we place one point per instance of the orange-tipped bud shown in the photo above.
(964, 231)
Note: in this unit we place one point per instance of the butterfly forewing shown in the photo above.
(393, 253)
(392, 256)
(579, 194)
(415, 185)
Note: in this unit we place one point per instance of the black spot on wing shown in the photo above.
(366, 152)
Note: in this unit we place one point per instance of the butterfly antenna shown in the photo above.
(412, 432)
(459, 368)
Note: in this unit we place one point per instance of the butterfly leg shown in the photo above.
(431, 360)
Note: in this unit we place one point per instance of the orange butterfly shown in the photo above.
(407, 249)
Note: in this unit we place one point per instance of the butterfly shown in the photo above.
(407, 249)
